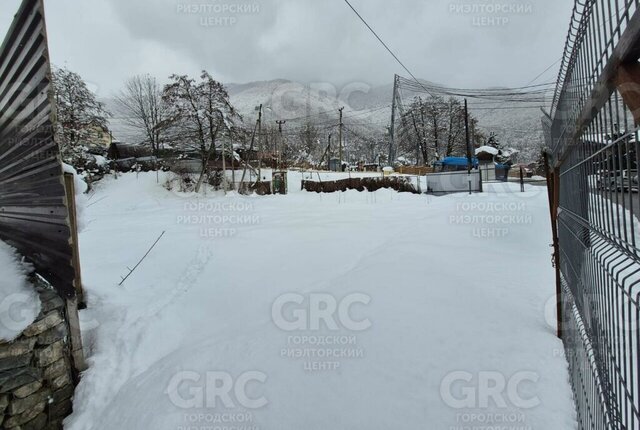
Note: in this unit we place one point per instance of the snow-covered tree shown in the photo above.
(79, 113)
(435, 127)
(200, 115)
(144, 109)
(505, 155)
(540, 167)
(309, 138)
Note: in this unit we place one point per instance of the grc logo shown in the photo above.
(188, 390)
(461, 390)
(291, 312)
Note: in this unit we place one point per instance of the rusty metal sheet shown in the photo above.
(33, 214)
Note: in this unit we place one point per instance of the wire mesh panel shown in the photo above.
(595, 155)
(33, 212)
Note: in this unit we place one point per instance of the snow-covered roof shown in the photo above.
(20, 304)
(488, 149)
(508, 152)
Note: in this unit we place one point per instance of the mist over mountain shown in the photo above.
(367, 111)
(517, 125)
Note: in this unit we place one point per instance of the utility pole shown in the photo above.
(260, 144)
(473, 135)
(466, 129)
(224, 168)
(392, 129)
(329, 153)
(280, 124)
(435, 134)
(341, 124)
(246, 163)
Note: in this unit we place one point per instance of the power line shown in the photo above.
(385, 45)
(546, 70)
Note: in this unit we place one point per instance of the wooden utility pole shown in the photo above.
(329, 153)
(340, 144)
(435, 135)
(280, 124)
(466, 128)
(259, 144)
(224, 167)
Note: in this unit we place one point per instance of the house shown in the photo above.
(334, 165)
(490, 169)
(98, 136)
(487, 162)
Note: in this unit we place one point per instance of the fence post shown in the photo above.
(73, 223)
(73, 304)
(627, 80)
(553, 190)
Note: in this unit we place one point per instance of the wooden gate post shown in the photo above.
(553, 189)
(73, 223)
(627, 81)
(73, 304)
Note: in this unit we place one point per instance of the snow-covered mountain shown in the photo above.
(366, 110)
(318, 103)
(516, 125)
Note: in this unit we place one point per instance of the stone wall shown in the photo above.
(36, 373)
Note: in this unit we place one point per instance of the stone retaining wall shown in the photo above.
(36, 373)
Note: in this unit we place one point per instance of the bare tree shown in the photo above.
(309, 138)
(144, 109)
(434, 127)
(200, 114)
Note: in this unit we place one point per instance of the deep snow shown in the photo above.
(19, 303)
(457, 288)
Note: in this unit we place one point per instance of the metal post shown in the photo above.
(392, 143)
(553, 188)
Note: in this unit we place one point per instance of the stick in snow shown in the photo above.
(145, 256)
(97, 201)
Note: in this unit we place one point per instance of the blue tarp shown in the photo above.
(458, 161)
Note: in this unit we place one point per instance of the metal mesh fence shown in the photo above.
(594, 154)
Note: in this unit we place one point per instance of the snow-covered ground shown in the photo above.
(319, 311)
(19, 303)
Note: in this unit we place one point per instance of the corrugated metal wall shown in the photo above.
(33, 212)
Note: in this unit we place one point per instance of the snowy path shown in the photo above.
(447, 300)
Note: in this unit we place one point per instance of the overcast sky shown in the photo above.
(305, 40)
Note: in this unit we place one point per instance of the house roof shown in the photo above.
(488, 149)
